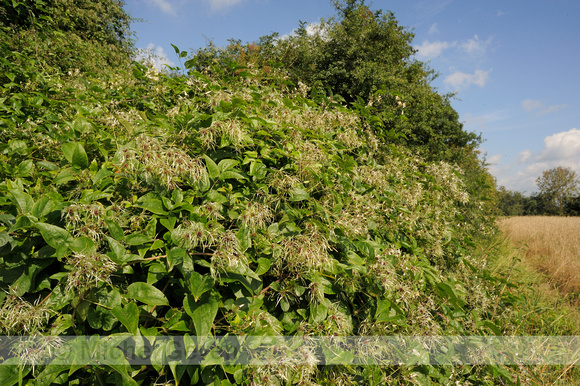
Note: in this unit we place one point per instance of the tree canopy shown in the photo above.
(559, 185)
(366, 58)
(83, 35)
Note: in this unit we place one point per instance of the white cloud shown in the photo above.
(524, 156)
(531, 105)
(312, 29)
(164, 5)
(486, 122)
(433, 29)
(155, 56)
(475, 46)
(563, 146)
(218, 5)
(494, 159)
(460, 80)
(539, 107)
(431, 49)
(560, 149)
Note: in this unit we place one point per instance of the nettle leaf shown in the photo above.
(75, 153)
(202, 312)
(146, 293)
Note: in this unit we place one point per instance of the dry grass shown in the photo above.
(552, 246)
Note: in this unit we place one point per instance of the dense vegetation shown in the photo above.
(248, 193)
(558, 195)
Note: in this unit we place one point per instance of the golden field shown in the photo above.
(551, 245)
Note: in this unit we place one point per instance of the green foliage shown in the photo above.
(552, 200)
(511, 203)
(366, 57)
(559, 185)
(228, 202)
(66, 35)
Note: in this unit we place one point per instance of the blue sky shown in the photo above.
(514, 65)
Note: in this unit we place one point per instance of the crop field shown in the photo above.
(552, 246)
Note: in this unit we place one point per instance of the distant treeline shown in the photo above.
(512, 203)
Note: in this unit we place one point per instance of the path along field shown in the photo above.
(552, 246)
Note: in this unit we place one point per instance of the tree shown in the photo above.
(510, 203)
(559, 185)
(85, 35)
(367, 58)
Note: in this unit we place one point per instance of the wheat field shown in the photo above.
(551, 245)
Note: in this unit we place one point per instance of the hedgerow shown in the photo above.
(228, 203)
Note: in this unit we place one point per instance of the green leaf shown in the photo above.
(137, 239)
(150, 228)
(446, 291)
(232, 174)
(11, 371)
(175, 256)
(22, 199)
(212, 168)
(54, 236)
(168, 222)
(227, 164)
(202, 312)
(128, 316)
(146, 293)
(63, 177)
(152, 203)
(263, 266)
(75, 154)
(42, 207)
(318, 312)
(82, 126)
(493, 327)
(244, 235)
(25, 168)
(299, 194)
(115, 230)
(5, 238)
(200, 284)
(117, 253)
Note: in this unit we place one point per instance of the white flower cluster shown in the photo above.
(19, 316)
(157, 163)
(86, 220)
(87, 269)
